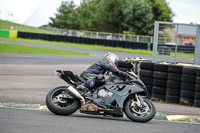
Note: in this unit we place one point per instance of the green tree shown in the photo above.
(64, 16)
(84, 15)
(109, 16)
(138, 16)
(134, 16)
(161, 10)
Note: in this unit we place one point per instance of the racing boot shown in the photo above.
(87, 92)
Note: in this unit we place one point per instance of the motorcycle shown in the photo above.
(113, 97)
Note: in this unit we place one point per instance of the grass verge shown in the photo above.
(9, 48)
(7, 25)
(97, 47)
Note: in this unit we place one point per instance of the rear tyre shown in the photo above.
(139, 114)
(59, 101)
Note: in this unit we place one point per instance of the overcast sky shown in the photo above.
(37, 12)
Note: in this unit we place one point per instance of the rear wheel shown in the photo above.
(139, 114)
(59, 101)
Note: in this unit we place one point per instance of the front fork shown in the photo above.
(139, 101)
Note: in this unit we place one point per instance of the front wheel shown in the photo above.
(59, 101)
(139, 114)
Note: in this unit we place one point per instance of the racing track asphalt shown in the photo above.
(31, 121)
(26, 78)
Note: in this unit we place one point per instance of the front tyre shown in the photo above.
(139, 114)
(59, 101)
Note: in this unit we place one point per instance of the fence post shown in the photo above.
(155, 41)
(137, 39)
(124, 37)
(197, 47)
(151, 39)
(97, 35)
(176, 42)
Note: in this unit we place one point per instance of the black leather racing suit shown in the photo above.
(99, 68)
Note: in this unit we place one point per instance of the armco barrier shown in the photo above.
(81, 40)
(172, 83)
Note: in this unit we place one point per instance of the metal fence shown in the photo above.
(181, 42)
(86, 34)
(101, 35)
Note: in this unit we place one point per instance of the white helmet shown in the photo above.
(111, 58)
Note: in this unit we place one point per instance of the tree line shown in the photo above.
(116, 16)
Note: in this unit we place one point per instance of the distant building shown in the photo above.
(186, 34)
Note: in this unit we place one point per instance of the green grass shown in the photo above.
(9, 48)
(114, 49)
(7, 25)
(182, 55)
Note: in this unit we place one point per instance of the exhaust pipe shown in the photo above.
(76, 94)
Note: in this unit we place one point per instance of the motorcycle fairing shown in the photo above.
(121, 92)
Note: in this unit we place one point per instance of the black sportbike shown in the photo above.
(114, 97)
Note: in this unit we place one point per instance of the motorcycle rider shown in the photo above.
(94, 74)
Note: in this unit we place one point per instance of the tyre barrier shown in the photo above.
(188, 85)
(125, 66)
(197, 89)
(173, 89)
(146, 75)
(172, 83)
(82, 40)
(160, 76)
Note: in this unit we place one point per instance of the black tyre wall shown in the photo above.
(187, 86)
(125, 64)
(161, 67)
(147, 81)
(188, 78)
(189, 70)
(198, 72)
(172, 99)
(158, 90)
(173, 84)
(147, 66)
(159, 82)
(197, 103)
(187, 94)
(175, 69)
(174, 76)
(173, 92)
(197, 96)
(160, 75)
(146, 73)
(197, 88)
(198, 80)
(72, 39)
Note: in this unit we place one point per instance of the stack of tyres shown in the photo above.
(124, 66)
(146, 75)
(174, 84)
(197, 89)
(160, 77)
(188, 81)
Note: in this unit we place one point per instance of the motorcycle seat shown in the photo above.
(80, 78)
